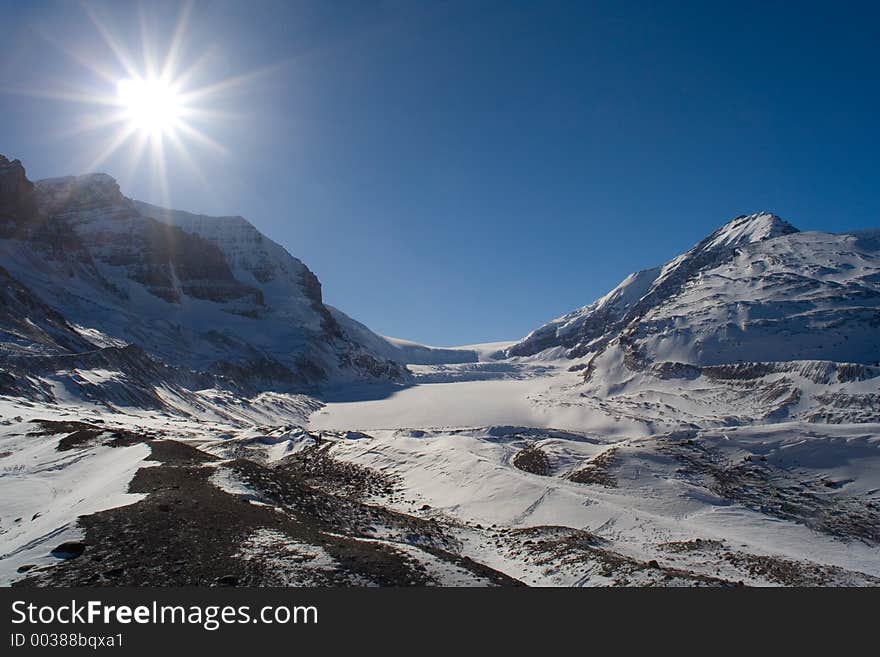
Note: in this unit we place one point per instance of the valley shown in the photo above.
(178, 406)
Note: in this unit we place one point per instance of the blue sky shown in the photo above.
(458, 172)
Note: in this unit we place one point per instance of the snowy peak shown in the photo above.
(719, 246)
(748, 229)
(578, 330)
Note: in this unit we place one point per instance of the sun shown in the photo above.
(152, 107)
(158, 106)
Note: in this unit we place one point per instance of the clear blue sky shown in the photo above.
(462, 172)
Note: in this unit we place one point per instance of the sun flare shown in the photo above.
(151, 106)
(153, 102)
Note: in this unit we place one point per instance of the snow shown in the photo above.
(225, 480)
(488, 351)
(44, 491)
(468, 403)
(274, 442)
(468, 475)
(507, 396)
(748, 229)
(292, 561)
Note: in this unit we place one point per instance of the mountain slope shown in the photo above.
(402, 351)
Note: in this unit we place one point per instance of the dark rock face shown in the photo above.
(81, 194)
(168, 261)
(598, 470)
(20, 214)
(268, 370)
(172, 262)
(673, 370)
(311, 286)
(374, 367)
(17, 197)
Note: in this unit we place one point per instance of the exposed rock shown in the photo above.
(70, 550)
(532, 459)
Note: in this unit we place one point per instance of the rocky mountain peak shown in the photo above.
(79, 193)
(747, 229)
(17, 200)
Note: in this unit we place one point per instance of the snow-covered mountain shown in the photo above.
(756, 289)
(211, 294)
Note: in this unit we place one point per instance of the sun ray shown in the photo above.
(180, 149)
(183, 77)
(92, 124)
(119, 51)
(122, 135)
(97, 67)
(159, 168)
(231, 83)
(147, 45)
(205, 114)
(136, 154)
(174, 47)
(67, 96)
(200, 137)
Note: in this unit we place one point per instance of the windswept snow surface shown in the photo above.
(43, 491)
